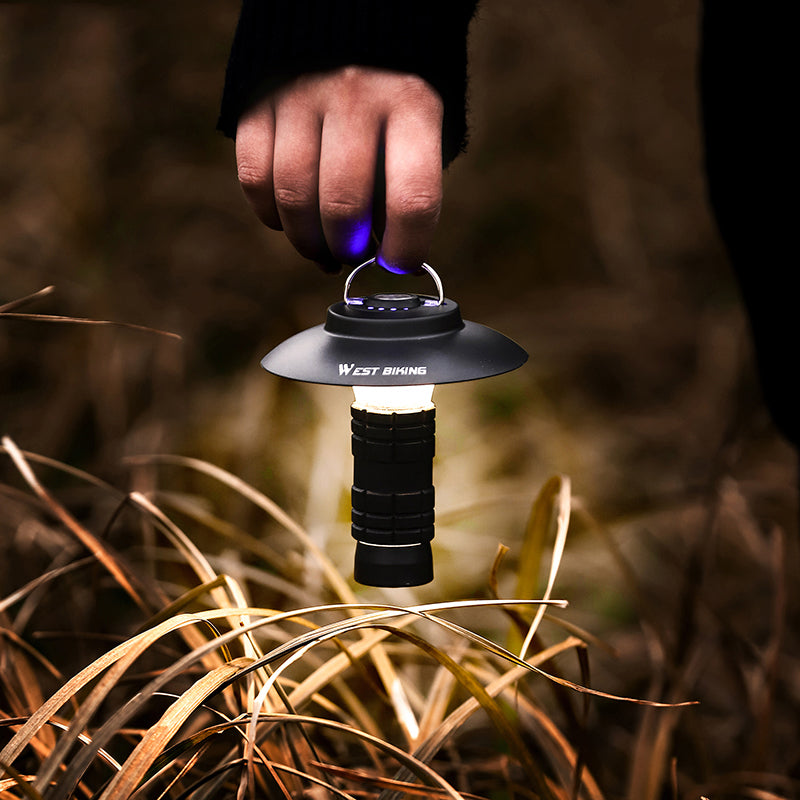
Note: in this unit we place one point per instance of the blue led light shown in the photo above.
(389, 267)
(357, 241)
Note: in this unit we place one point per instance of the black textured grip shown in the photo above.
(393, 496)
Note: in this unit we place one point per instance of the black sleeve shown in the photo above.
(750, 138)
(277, 40)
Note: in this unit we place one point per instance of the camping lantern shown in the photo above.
(392, 348)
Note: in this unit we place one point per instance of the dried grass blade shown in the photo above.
(588, 637)
(200, 738)
(414, 765)
(371, 639)
(194, 557)
(428, 749)
(197, 742)
(197, 561)
(336, 792)
(256, 706)
(426, 611)
(338, 584)
(773, 651)
(18, 678)
(413, 789)
(83, 321)
(191, 507)
(13, 305)
(562, 755)
(578, 767)
(195, 789)
(185, 769)
(562, 750)
(440, 693)
(20, 781)
(125, 653)
(553, 500)
(32, 652)
(652, 748)
(340, 662)
(334, 666)
(69, 470)
(48, 576)
(152, 744)
(476, 690)
(502, 552)
(231, 599)
(178, 605)
(104, 755)
(84, 536)
(116, 661)
(119, 660)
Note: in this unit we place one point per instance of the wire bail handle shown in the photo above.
(427, 267)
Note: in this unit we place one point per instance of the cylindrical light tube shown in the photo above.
(392, 494)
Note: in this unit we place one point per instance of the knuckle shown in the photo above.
(416, 207)
(351, 75)
(251, 175)
(417, 92)
(294, 198)
(342, 208)
(353, 81)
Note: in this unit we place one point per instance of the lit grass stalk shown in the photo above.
(551, 509)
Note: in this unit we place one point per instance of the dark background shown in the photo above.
(576, 223)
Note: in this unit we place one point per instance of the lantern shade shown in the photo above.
(391, 339)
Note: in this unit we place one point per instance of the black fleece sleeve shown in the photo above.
(749, 146)
(278, 40)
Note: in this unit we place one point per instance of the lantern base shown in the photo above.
(393, 565)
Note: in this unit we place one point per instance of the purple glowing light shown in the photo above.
(389, 267)
(357, 240)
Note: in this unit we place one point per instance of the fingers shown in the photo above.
(334, 156)
(346, 183)
(413, 166)
(298, 133)
(255, 138)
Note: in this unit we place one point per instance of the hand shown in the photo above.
(312, 157)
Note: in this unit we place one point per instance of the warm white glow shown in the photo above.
(400, 399)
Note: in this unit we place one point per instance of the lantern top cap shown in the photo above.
(390, 339)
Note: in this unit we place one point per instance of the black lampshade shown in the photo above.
(390, 339)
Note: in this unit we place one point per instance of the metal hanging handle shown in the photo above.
(427, 267)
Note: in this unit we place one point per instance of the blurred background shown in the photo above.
(576, 223)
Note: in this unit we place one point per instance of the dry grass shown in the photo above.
(262, 700)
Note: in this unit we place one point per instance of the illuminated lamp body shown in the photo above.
(392, 349)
